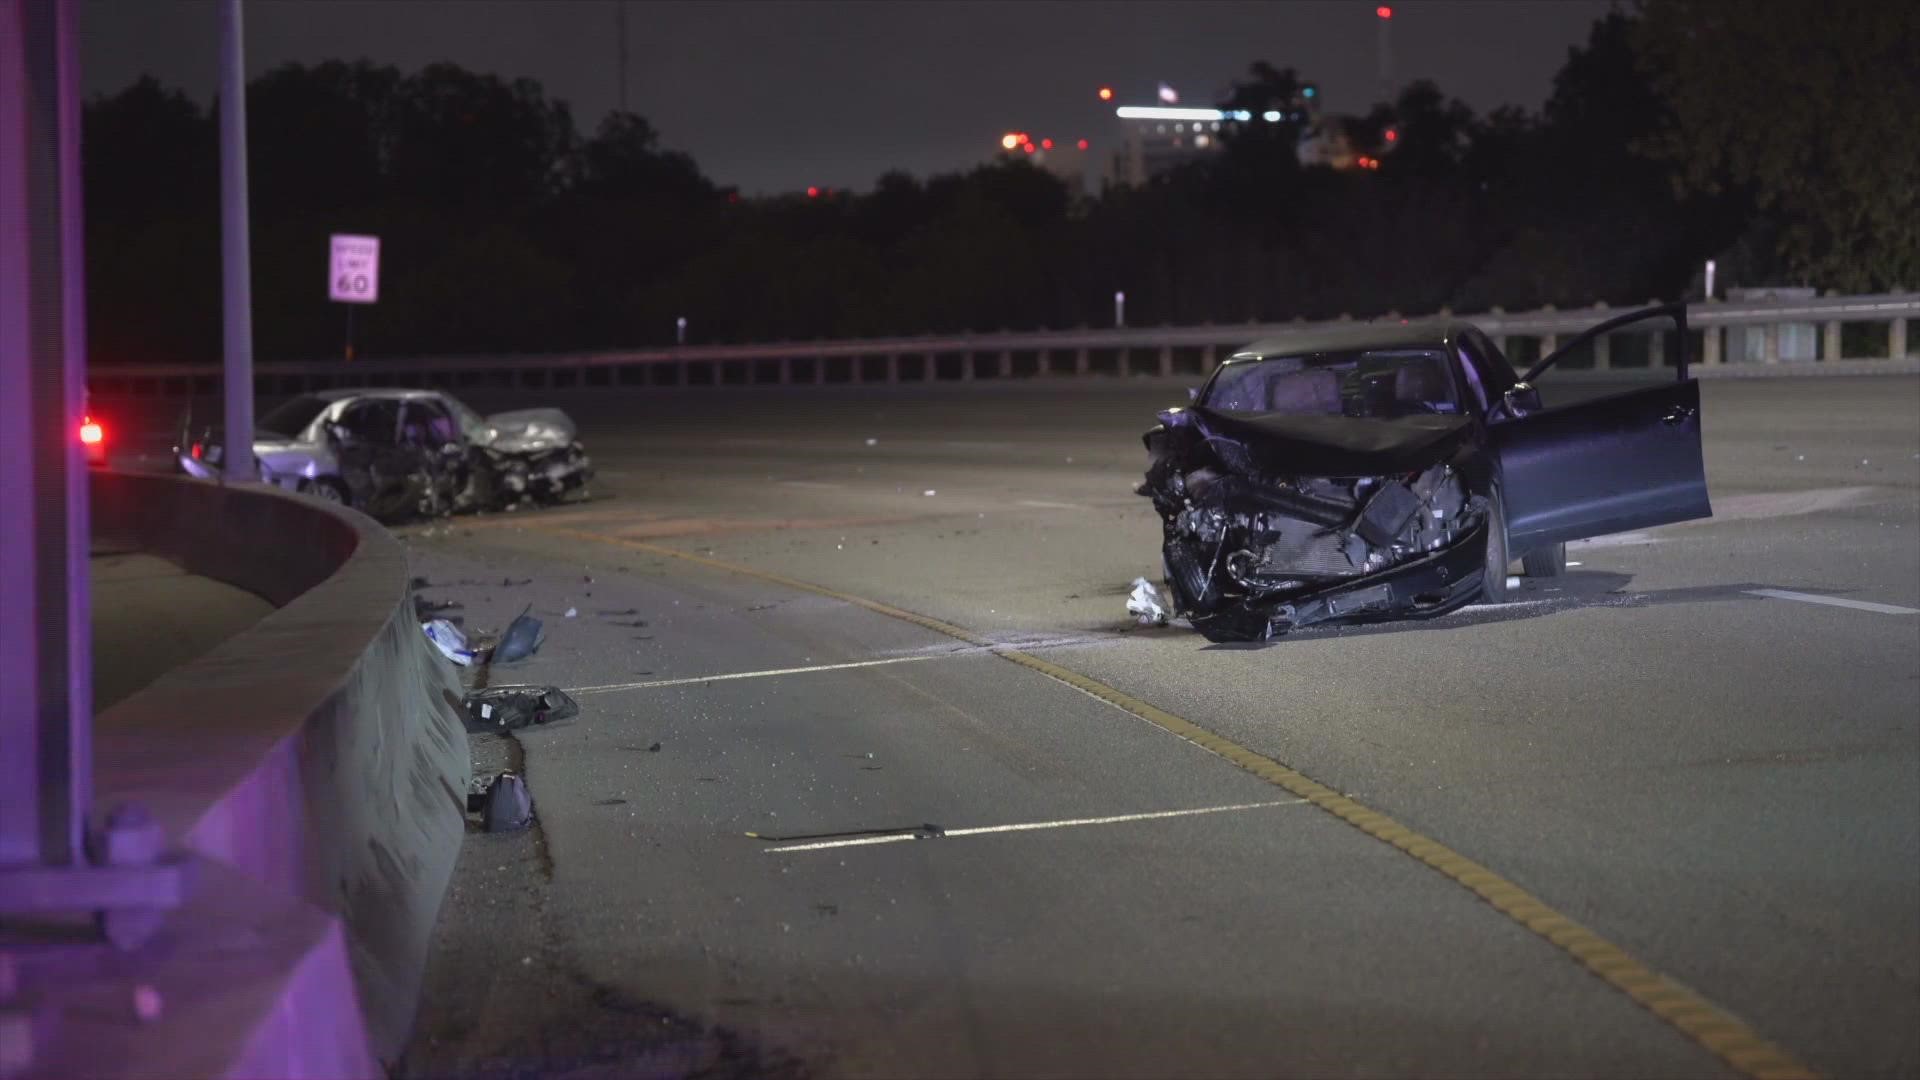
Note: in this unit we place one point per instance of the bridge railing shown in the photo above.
(966, 357)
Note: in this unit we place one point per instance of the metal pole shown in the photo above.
(1119, 309)
(45, 632)
(236, 275)
(350, 308)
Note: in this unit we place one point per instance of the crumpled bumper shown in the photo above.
(1431, 585)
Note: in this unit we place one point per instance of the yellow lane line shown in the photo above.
(1699, 1019)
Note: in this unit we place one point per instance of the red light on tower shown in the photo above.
(1046, 144)
(1383, 11)
(1028, 147)
(812, 192)
(1083, 144)
(1106, 93)
(1393, 135)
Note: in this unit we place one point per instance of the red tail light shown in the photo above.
(91, 432)
(195, 451)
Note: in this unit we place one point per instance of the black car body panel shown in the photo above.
(1360, 479)
(1625, 462)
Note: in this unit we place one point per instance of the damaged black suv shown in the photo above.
(1392, 471)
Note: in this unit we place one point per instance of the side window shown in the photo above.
(373, 420)
(429, 424)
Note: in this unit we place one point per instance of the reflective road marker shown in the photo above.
(1834, 601)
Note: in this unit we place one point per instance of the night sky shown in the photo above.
(776, 96)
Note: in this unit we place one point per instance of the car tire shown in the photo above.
(1549, 561)
(1493, 583)
(325, 490)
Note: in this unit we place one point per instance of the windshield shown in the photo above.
(1377, 383)
(291, 417)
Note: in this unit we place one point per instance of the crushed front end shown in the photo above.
(1253, 548)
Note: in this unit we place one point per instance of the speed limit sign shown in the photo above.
(354, 270)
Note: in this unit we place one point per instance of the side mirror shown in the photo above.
(1520, 400)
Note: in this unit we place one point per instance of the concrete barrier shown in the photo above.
(319, 755)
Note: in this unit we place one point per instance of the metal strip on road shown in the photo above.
(1834, 601)
(1030, 826)
(1708, 1025)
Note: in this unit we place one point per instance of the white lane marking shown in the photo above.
(825, 484)
(1775, 504)
(1834, 601)
(1043, 504)
(1576, 564)
(1615, 540)
(931, 652)
(748, 675)
(1029, 826)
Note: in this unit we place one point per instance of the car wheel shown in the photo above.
(1493, 585)
(1549, 561)
(325, 490)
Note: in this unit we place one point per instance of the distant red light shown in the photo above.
(1106, 93)
(1083, 144)
(1046, 144)
(90, 432)
(1392, 135)
(1383, 11)
(813, 192)
(1028, 148)
(197, 451)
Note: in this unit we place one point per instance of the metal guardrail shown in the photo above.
(1168, 350)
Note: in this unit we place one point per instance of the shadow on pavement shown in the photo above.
(1535, 599)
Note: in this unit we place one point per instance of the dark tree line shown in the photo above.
(505, 229)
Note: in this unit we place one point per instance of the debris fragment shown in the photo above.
(147, 1003)
(507, 806)
(419, 583)
(873, 442)
(1512, 582)
(506, 708)
(571, 612)
(449, 640)
(654, 749)
(929, 491)
(522, 639)
(1144, 604)
(507, 581)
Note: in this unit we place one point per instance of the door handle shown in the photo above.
(1677, 414)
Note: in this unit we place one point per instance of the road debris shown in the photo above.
(522, 639)
(1144, 604)
(449, 640)
(507, 805)
(571, 612)
(507, 708)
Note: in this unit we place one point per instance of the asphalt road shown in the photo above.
(1722, 786)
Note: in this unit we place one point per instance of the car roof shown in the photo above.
(1373, 334)
(400, 392)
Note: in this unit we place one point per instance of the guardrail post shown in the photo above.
(819, 371)
(1770, 344)
(1006, 363)
(1548, 343)
(1897, 339)
(1043, 363)
(1830, 341)
(1166, 361)
(1603, 352)
(1209, 358)
(966, 365)
(1080, 363)
(1656, 350)
(893, 367)
(1710, 345)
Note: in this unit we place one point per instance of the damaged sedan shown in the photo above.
(400, 454)
(1382, 472)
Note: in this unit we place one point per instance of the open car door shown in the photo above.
(1607, 465)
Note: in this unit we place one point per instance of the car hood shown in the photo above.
(527, 430)
(1336, 445)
